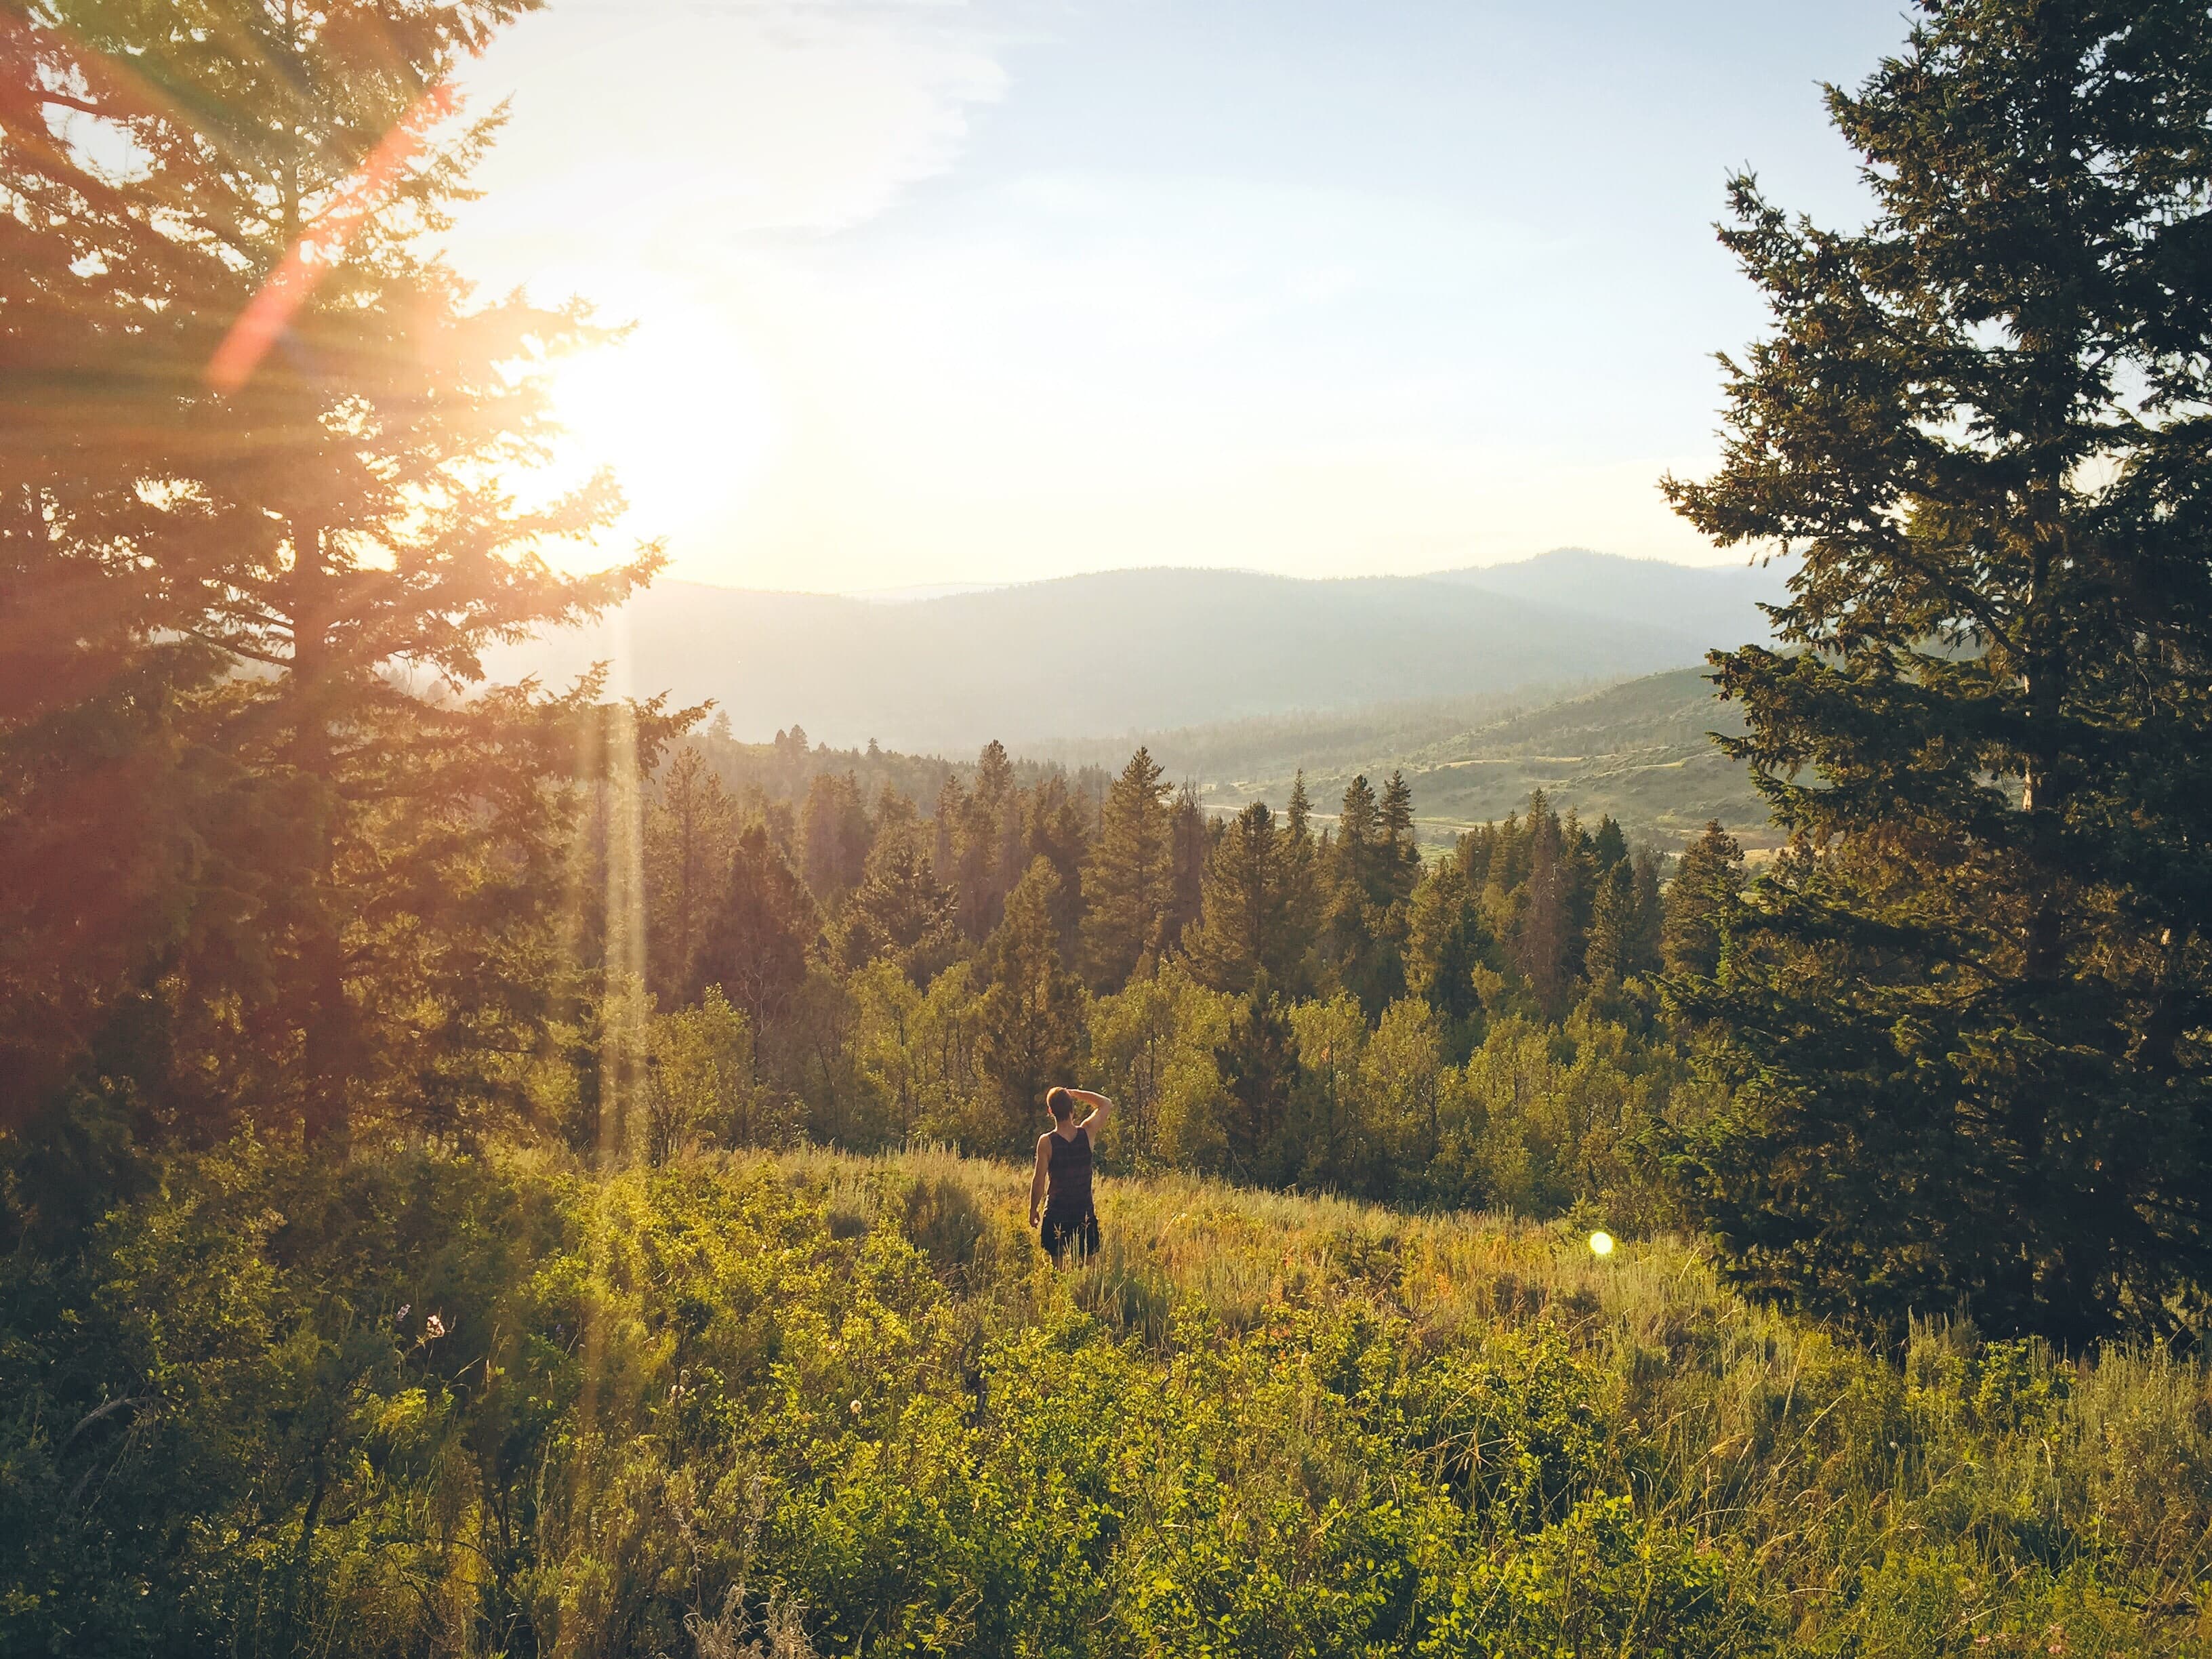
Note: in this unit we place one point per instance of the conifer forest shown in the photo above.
(518, 1169)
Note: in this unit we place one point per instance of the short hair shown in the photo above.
(1059, 1102)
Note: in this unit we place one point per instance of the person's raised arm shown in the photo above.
(1101, 1107)
(1042, 1179)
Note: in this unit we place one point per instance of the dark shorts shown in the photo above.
(1065, 1231)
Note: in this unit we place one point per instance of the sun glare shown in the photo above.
(680, 413)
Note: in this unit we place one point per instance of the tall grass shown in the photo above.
(744, 1404)
(1968, 1497)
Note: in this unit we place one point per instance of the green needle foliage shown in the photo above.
(329, 887)
(1964, 1016)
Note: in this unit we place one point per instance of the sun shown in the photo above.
(678, 408)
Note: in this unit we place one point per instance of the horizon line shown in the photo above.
(924, 592)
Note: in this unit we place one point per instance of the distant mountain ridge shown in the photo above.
(1147, 649)
(1688, 596)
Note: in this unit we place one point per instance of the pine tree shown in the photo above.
(1032, 1017)
(120, 826)
(900, 910)
(688, 836)
(1357, 870)
(1249, 927)
(310, 488)
(1542, 926)
(1578, 871)
(1608, 845)
(1647, 927)
(945, 855)
(1302, 875)
(834, 837)
(1258, 1066)
(1959, 1019)
(756, 948)
(1128, 887)
(1191, 837)
(986, 820)
(1475, 850)
(1399, 859)
(1609, 957)
(1445, 943)
(1056, 829)
(1363, 928)
(1701, 901)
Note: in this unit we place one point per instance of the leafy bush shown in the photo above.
(423, 1403)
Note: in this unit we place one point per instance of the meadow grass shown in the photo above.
(426, 1402)
(1964, 1496)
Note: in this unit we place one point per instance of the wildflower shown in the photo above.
(434, 1327)
(856, 1409)
(400, 1318)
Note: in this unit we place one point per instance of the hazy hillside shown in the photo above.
(1638, 750)
(1719, 604)
(1321, 740)
(1142, 650)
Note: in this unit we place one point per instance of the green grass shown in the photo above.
(1638, 750)
(849, 1396)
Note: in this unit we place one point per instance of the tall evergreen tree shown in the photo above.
(1608, 845)
(1056, 827)
(1191, 837)
(944, 826)
(1128, 887)
(1543, 924)
(756, 948)
(318, 414)
(1648, 927)
(1249, 928)
(688, 835)
(1355, 868)
(834, 837)
(118, 822)
(1445, 943)
(1258, 1066)
(1968, 1030)
(900, 910)
(1609, 955)
(986, 843)
(1302, 875)
(1297, 813)
(1399, 859)
(1362, 928)
(1031, 1019)
(1701, 901)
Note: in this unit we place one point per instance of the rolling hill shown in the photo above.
(1637, 749)
(1128, 651)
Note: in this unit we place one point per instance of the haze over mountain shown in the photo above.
(1135, 650)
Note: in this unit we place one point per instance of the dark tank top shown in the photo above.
(1069, 1173)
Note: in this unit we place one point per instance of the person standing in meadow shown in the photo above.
(1062, 1182)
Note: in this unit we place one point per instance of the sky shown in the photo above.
(926, 292)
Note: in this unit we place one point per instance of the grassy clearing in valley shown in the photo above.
(844, 1402)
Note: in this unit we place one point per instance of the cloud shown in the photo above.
(665, 136)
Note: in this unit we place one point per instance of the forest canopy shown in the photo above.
(507, 1169)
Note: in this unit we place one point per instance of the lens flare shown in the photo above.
(1600, 1243)
(323, 243)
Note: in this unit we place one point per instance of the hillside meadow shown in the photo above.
(433, 1402)
(1640, 752)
